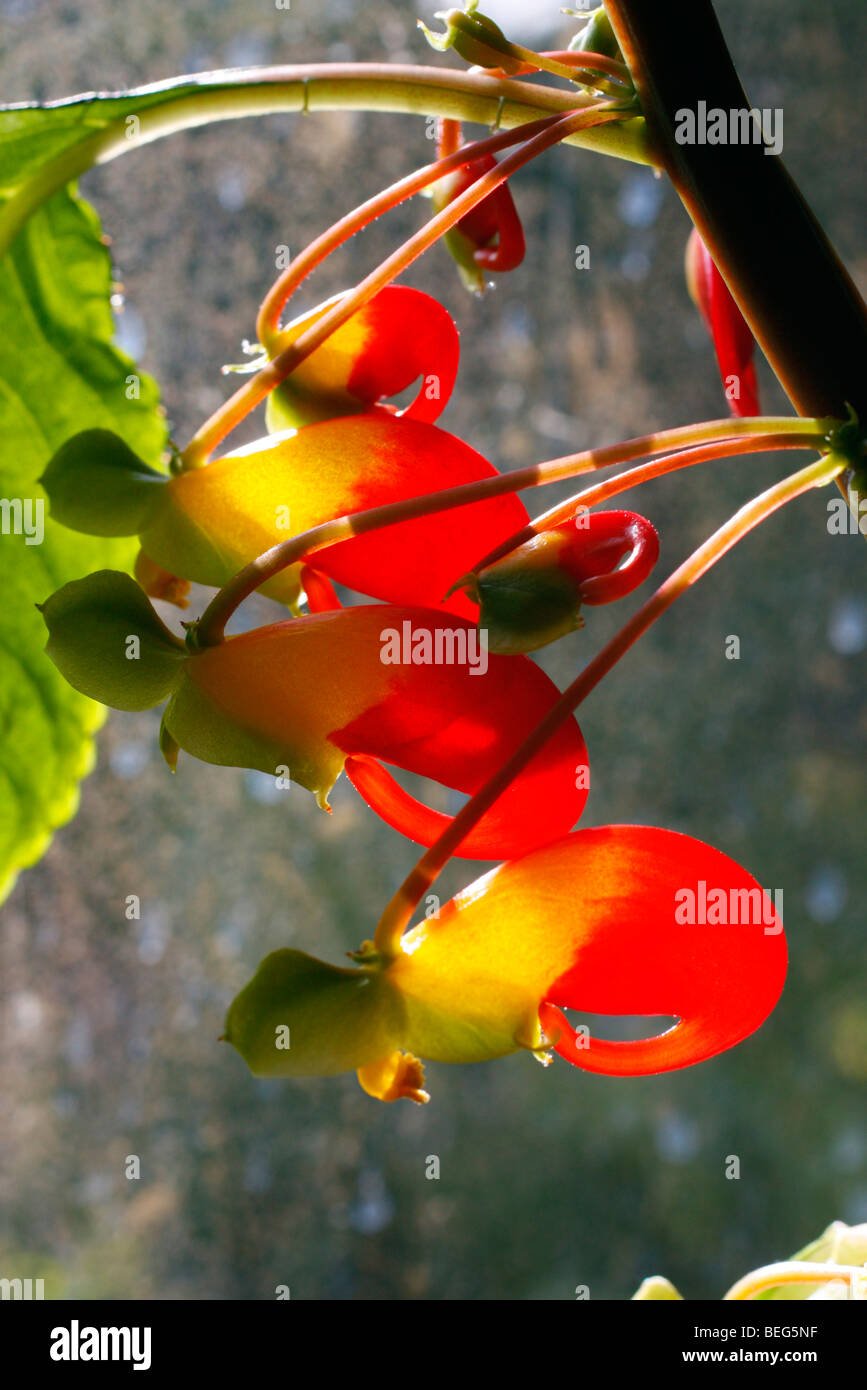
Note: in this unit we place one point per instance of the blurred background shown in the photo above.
(549, 1180)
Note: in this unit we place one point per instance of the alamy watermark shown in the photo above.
(25, 1289)
(736, 907)
(77, 1343)
(442, 646)
(847, 517)
(23, 516)
(745, 125)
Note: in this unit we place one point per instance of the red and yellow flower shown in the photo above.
(587, 923)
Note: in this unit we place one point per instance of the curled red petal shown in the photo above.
(395, 806)
(732, 337)
(321, 597)
(411, 335)
(597, 547)
(398, 337)
(640, 954)
(493, 226)
(497, 834)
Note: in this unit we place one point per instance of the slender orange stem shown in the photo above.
(400, 909)
(210, 629)
(449, 136)
(230, 414)
(632, 477)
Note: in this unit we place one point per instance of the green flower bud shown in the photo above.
(525, 601)
(597, 36)
(533, 594)
(475, 38)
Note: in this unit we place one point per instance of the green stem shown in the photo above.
(400, 909)
(207, 97)
(760, 434)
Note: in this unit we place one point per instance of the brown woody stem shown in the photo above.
(786, 277)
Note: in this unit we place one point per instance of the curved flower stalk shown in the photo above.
(229, 415)
(724, 438)
(449, 159)
(605, 921)
(534, 593)
(732, 338)
(304, 698)
(399, 336)
(205, 524)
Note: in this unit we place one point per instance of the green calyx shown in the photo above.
(522, 609)
(847, 440)
(300, 1016)
(597, 36)
(462, 251)
(97, 485)
(106, 639)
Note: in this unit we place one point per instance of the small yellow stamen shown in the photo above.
(399, 1076)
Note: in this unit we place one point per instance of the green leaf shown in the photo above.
(59, 374)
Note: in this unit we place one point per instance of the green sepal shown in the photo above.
(91, 623)
(169, 747)
(462, 251)
(337, 1019)
(597, 36)
(97, 485)
(522, 610)
(475, 37)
